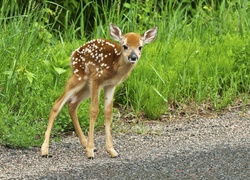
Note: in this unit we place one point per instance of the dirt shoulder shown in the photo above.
(217, 147)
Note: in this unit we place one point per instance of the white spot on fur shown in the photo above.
(76, 71)
(73, 99)
(110, 44)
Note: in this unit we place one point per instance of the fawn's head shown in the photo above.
(132, 43)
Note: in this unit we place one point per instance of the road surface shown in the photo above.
(199, 148)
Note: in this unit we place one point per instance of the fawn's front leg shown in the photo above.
(94, 110)
(108, 107)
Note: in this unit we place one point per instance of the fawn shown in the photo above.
(98, 64)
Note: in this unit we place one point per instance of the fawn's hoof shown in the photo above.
(90, 153)
(112, 152)
(44, 151)
(117, 156)
(46, 156)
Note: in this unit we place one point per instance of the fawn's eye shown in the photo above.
(125, 47)
(140, 48)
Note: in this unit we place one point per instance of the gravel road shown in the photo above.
(199, 148)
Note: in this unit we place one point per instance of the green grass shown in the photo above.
(199, 56)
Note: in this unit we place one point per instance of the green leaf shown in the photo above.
(30, 76)
(59, 70)
(127, 5)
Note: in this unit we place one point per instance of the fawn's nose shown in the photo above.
(133, 57)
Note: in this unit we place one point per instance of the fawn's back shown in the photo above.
(105, 61)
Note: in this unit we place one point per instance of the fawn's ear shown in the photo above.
(149, 35)
(115, 32)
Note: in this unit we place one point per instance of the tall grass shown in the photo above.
(200, 56)
(202, 59)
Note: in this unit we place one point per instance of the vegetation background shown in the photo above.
(199, 62)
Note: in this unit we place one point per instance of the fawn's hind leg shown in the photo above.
(73, 104)
(71, 88)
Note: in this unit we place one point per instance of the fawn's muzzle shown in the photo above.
(133, 57)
